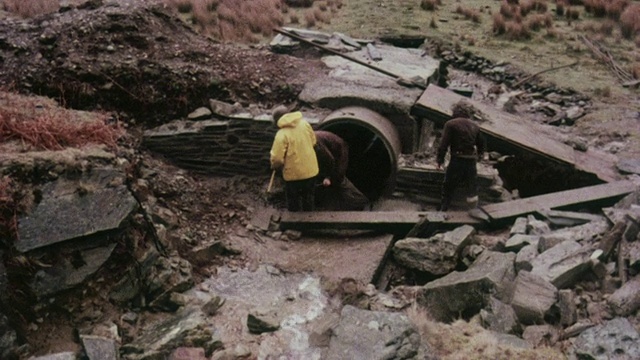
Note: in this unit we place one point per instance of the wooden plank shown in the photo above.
(511, 132)
(562, 199)
(388, 221)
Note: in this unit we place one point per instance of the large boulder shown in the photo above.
(614, 339)
(533, 297)
(437, 255)
(374, 335)
(466, 292)
(563, 265)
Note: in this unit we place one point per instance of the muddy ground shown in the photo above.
(146, 67)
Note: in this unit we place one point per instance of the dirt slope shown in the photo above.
(138, 60)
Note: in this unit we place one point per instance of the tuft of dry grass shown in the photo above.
(54, 128)
(630, 21)
(231, 20)
(517, 31)
(572, 13)
(468, 340)
(430, 5)
(529, 6)
(310, 18)
(30, 8)
(539, 21)
(499, 24)
(469, 14)
(433, 24)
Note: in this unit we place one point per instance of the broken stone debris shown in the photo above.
(260, 321)
(461, 292)
(189, 327)
(363, 334)
(99, 348)
(438, 255)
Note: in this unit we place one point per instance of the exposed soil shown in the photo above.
(140, 62)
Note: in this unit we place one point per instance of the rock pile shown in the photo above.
(555, 277)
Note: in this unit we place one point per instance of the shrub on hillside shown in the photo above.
(469, 14)
(499, 24)
(232, 20)
(430, 5)
(517, 31)
(630, 21)
(30, 8)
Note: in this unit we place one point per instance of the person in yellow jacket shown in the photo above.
(293, 152)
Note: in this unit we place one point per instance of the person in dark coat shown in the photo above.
(461, 137)
(336, 192)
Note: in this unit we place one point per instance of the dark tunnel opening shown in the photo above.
(534, 176)
(373, 149)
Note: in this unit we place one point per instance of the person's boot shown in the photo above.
(472, 202)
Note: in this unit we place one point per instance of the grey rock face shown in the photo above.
(71, 209)
(261, 321)
(626, 300)
(563, 264)
(437, 255)
(189, 326)
(466, 292)
(615, 339)
(8, 338)
(533, 296)
(499, 317)
(99, 348)
(70, 271)
(372, 335)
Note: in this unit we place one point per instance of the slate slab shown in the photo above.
(72, 209)
(67, 273)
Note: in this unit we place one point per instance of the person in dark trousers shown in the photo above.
(293, 152)
(462, 138)
(336, 191)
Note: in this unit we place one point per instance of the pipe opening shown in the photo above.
(373, 149)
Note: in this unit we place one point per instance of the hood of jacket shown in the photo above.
(290, 119)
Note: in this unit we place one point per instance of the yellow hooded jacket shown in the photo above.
(293, 149)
